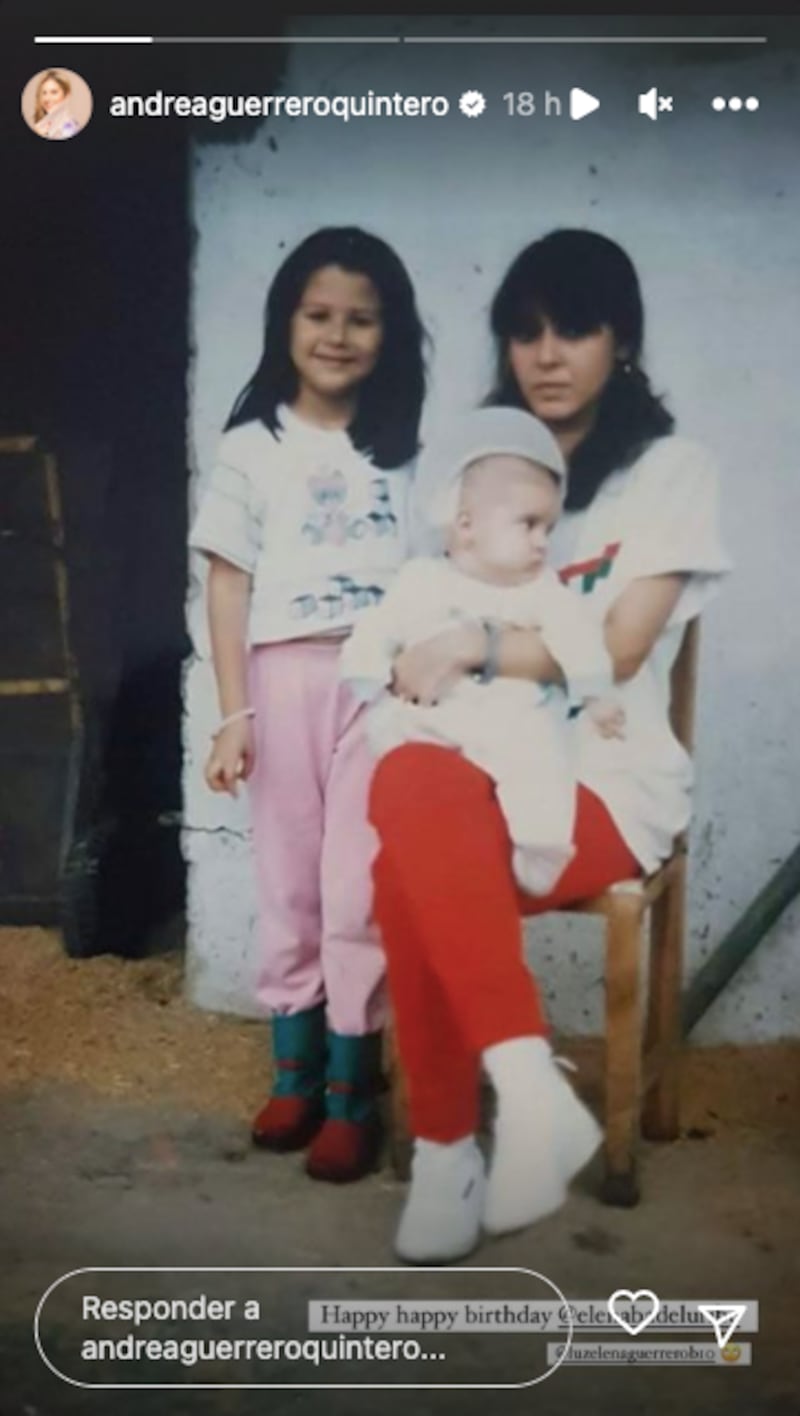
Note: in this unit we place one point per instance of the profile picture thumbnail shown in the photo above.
(56, 103)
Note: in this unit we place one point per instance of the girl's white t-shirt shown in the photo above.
(657, 517)
(318, 525)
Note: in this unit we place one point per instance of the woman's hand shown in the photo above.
(232, 757)
(426, 672)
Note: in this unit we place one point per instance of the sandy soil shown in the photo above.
(123, 1118)
(123, 1029)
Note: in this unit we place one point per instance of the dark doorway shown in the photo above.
(96, 239)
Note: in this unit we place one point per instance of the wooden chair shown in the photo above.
(642, 1035)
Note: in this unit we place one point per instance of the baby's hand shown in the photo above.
(607, 716)
(232, 757)
(427, 671)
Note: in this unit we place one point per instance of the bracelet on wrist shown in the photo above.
(490, 667)
(234, 718)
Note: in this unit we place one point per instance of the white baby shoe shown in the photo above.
(441, 1220)
(543, 1134)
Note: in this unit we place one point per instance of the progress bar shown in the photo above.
(398, 39)
(212, 39)
(594, 39)
(93, 39)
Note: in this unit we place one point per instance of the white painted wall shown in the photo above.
(709, 210)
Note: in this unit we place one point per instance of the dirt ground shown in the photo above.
(124, 1116)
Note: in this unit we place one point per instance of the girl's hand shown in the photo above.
(426, 672)
(232, 757)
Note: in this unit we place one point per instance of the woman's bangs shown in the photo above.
(571, 311)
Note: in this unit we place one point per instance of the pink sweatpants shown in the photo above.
(313, 843)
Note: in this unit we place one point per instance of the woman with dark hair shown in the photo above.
(305, 521)
(639, 539)
(621, 418)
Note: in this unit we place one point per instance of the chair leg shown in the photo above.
(399, 1138)
(623, 1047)
(660, 1115)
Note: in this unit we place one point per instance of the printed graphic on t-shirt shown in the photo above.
(328, 520)
(340, 510)
(588, 572)
(340, 596)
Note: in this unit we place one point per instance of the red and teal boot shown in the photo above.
(296, 1109)
(348, 1144)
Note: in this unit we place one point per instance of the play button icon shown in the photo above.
(582, 103)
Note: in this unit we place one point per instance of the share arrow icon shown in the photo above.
(724, 1320)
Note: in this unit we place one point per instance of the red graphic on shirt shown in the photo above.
(592, 570)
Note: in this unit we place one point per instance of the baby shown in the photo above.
(503, 488)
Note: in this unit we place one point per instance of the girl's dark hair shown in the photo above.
(386, 423)
(578, 281)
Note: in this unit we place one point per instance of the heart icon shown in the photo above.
(624, 1295)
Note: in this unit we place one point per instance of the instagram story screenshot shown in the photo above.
(379, 395)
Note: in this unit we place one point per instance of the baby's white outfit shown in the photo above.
(515, 730)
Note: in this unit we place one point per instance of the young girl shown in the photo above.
(305, 522)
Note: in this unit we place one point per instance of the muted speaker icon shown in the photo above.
(652, 103)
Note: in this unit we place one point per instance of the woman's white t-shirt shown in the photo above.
(657, 517)
(319, 526)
